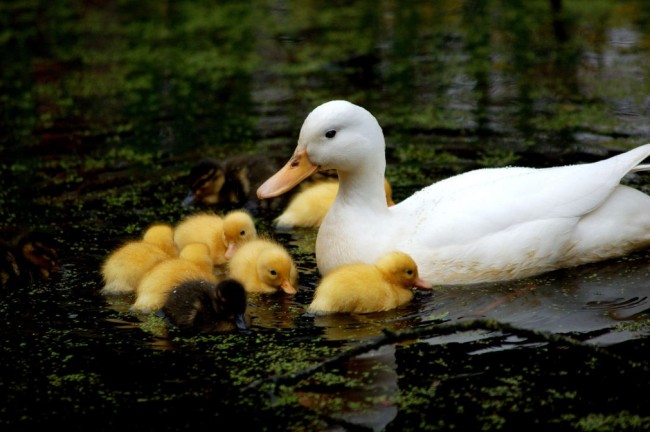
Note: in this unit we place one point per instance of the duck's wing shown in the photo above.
(486, 201)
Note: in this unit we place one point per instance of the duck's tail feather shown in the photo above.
(645, 167)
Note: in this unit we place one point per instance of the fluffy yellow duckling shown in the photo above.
(123, 269)
(193, 262)
(365, 288)
(203, 227)
(221, 234)
(201, 306)
(309, 206)
(264, 266)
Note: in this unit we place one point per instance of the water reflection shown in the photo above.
(591, 300)
(369, 402)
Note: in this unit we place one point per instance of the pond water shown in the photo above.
(107, 105)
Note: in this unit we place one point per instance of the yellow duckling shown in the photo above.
(203, 227)
(201, 306)
(125, 266)
(309, 206)
(365, 288)
(193, 262)
(221, 234)
(264, 266)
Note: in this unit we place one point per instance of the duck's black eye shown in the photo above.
(409, 272)
(273, 272)
(242, 233)
(330, 133)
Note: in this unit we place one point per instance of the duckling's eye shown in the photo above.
(409, 272)
(330, 133)
(273, 272)
(242, 233)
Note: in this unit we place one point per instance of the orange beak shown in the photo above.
(287, 287)
(296, 170)
(420, 283)
(230, 251)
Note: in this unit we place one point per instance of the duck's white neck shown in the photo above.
(363, 188)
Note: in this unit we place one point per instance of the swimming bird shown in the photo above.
(125, 266)
(230, 183)
(30, 257)
(265, 266)
(484, 225)
(193, 262)
(308, 207)
(222, 234)
(201, 306)
(365, 288)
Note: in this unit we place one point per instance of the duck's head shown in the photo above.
(238, 227)
(230, 303)
(337, 135)
(400, 269)
(206, 179)
(275, 269)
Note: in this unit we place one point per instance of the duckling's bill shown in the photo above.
(296, 170)
(422, 284)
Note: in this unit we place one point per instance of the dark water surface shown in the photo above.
(105, 106)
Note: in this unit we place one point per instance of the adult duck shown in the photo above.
(484, 225)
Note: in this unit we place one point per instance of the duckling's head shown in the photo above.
(206, 179)
(401, 270)
(230, 302)
(238, 227)
(276, 269)
(162, 236)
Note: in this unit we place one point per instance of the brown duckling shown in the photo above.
(201, 306)
(193, 262)
(264, 266)
(230, 183)
(33, 256)
(365, 288)
(125, 266)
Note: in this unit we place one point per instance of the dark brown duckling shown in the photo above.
(201, 306)
(231, 183)
(33, 256)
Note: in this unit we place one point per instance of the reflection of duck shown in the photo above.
(364, 288)
(32, 257)
(456, 229)
(222, 235)
(309, 206)
(193, 262)
(229, 183)
(262, 265)
(125, 266)
(201, 306)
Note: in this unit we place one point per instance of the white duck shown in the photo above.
(483, 225)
